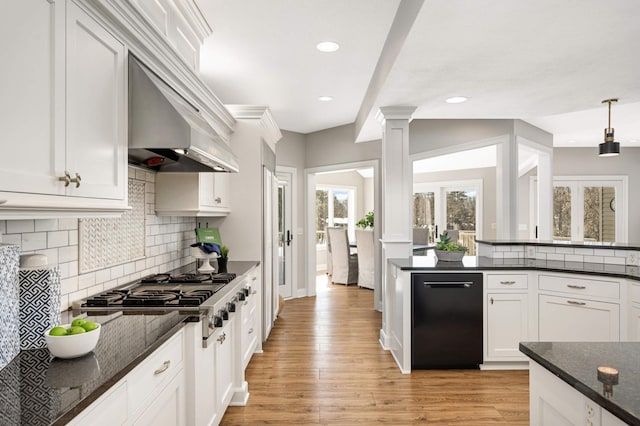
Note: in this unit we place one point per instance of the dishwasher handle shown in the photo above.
(447, 284)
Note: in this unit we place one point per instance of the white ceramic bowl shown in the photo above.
(72, 346)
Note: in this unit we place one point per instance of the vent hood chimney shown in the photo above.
(167, 133)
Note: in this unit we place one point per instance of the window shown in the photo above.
(335, 206)
(451, 205)
(591, 208)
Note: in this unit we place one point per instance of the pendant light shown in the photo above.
(609, 148)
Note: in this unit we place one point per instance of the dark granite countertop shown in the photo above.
(472, 263)
(581, 244)
(577, 363)
(36, 389)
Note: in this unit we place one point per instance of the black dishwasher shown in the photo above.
(446, 320)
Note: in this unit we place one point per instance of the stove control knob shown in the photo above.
(215, 321)
(231, 306)
(245, 291)
(224, 314)
(241, 296)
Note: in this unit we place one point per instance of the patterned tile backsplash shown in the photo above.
(166, 246)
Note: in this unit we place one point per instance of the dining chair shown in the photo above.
(364, 245)
(328, 253)
(344, 264)
(420, 235)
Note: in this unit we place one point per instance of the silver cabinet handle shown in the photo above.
(67, 179)
(76, 180)
(250, 330)
(507, 282)
(491, 300)
(165, 367)
(254, 278)
(245, 303)
(222, 338)
(573, 302)
(577, 287)
(218, 200)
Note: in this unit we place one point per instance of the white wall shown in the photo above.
(167, 247)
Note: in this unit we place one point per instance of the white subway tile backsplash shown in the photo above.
(67, 224)
(546, 249)
(34, 241)
(68, 254)
(584, 251)
(614, 261)
(46, 225)
(20, 226)
(69, 285)
(129, 268)
(73, 237)
(150, 262)
(117, 272)
(87, 280)
(541, 256)
(601, 252)
(555, 256)
(13, 239)
(103, 276)
(594, 259)
(141, 265)
(565, 250)
(57, 239)
(3, 227)
(573, 258)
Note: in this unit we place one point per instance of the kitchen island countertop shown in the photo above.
(576, 363)
(473, 263)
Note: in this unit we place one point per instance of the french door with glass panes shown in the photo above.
(588, 210)
(450, 206)
(285, 234)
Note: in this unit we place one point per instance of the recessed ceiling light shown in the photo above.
(327, 46)
(325, 98)
(456, 100)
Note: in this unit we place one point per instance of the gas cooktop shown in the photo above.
(184, 291)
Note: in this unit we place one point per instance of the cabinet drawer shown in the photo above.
(579, 286)
(150, 377)
(507, 281)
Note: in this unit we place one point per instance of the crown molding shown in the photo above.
(194, 17)
(395, 113)
(270, 130)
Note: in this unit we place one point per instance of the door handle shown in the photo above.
(289, 237)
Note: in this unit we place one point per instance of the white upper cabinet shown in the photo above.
(181, 23)
(96, 111)
(32, 101)
(64, 111)
(192, 194)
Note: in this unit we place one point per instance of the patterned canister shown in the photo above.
(39, 304)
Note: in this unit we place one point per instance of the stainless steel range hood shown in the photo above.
(167, 133)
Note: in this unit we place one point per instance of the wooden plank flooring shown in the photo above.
(322, 365)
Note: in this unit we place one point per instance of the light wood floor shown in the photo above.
(323, 365)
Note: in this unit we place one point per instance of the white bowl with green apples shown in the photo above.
(73, 340)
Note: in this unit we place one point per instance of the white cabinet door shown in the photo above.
(221, 191)
(576, 320)
(96, 133)
(634, 326)
(168, 408)
(224, 367)
(32, 101)
(108, 410)
(507, 325)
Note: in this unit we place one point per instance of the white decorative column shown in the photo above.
(507, 188)
(397, 183)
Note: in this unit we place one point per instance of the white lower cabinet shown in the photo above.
(507, 317)
(250, 328)
(168, 408)
(224, 366)
(554, 402)
(569, 319)
(108, 410)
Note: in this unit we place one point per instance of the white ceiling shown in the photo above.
(548, 62)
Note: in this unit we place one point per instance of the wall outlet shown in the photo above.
(632, 258)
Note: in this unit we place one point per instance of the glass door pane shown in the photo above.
(562, 213)
(461, 216)
(599, 213)
(281, 236)
(322, 215)
(424, 213)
